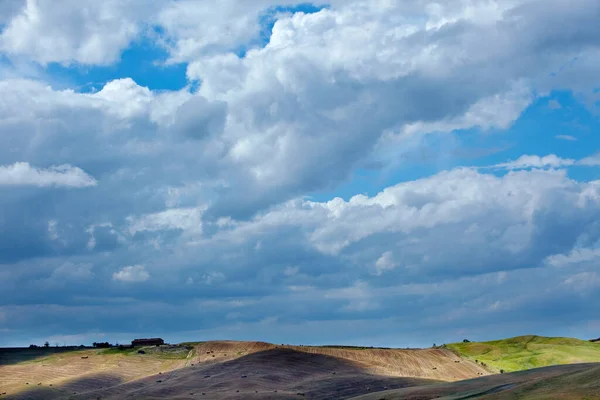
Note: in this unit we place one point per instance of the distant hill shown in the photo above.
(526, 352)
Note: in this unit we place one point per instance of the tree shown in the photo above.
(466, 341)
(47, 344)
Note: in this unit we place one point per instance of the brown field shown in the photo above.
(246, 370)
(438, 364)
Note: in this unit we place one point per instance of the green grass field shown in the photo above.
(526, 352)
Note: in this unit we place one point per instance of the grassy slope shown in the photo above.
(526, 352)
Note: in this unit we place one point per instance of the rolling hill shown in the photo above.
(114, 372)
(526, 352)
(564, 382)
(246, 370)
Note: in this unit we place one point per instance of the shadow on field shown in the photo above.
(269, 374)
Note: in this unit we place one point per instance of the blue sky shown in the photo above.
(355, 172)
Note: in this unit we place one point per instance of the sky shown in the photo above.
(361, 172)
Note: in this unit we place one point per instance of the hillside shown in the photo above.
(439, 364)
(246, 370)
(564, 382)
(21, 369)
(526, 352)
(326, 370)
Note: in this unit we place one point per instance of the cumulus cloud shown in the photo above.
(132, 273)
(71, 32)
(21, 173)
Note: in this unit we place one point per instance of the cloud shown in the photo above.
(71, 32)
(554, 104)
(530, 161)
(583, 281)
(575, 256)
(213, 277)
(133, 273)
(209, 185)
(566, 137)
(187, 219)
(21, 173)
(358, 297)
(291, 271)
(591, 161)
(384, 263)
(71, 271)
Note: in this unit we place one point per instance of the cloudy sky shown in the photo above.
(375, 172)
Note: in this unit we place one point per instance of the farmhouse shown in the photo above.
(147, 342)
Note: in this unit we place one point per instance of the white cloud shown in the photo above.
(23, 174)
(529, 161)
(358, 297)
(188, 219)
(132, 273)
(385, 263)
(575, 256)
(213, 277)
(505, 223)
(52, 232)
(566, 137)
(291, 271)
(86, 32)
(554, 104)
(583, 281)
(499, 111)
(71, 271)
(591, 161)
